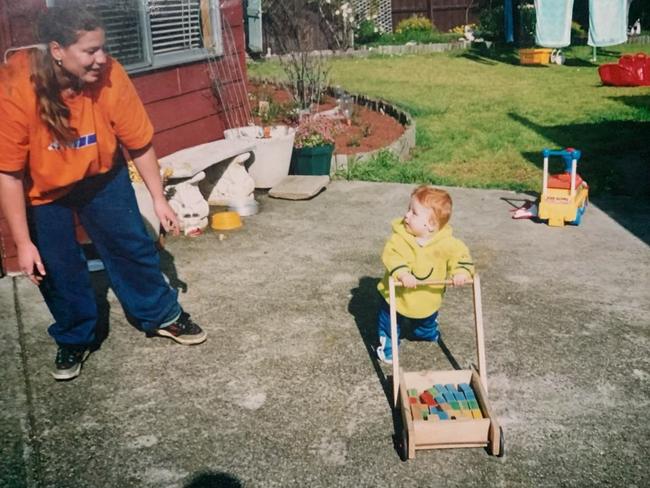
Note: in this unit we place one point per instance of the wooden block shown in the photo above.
(419, 411)
(433, 391)
(440, 399)
(455, 405)
(427, 398)
(412, 392)
(442, 415)
(476, 413)
(449, 397)
(458, 396)
(413, 400)
(472, 405)
(415, 411)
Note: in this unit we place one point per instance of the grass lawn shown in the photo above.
(482, 120)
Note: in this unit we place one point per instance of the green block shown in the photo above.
(412, 393)
(454, 405)
(472, 404)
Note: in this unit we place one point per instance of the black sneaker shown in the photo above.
(184, 331)
(68, 362)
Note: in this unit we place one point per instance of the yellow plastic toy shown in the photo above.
(564, 196)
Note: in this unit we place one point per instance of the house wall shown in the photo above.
(179, 99)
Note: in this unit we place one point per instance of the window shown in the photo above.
(149, 34)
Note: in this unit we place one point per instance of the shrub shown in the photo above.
(416, 23)
(578, 34)
(367, 32)
(491, 23)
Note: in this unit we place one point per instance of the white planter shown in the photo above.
(272, 154)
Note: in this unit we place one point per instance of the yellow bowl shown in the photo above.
(226, 221)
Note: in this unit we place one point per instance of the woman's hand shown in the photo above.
(29, 262)
(166, 215)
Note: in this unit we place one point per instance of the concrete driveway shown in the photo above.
(286, 391)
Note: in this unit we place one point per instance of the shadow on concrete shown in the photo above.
(615, 161)
(363, 307)
(450, 357)
(213, 479)
(169, 269)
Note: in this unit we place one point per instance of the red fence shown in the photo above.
(444, 14)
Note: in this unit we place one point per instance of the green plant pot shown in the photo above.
(311, 160)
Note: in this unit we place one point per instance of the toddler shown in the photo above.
(421, 248)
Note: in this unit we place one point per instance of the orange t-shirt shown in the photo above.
(104, 113)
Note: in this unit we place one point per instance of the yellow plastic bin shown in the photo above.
(535, 56)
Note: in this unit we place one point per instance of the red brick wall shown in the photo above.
(178, 99)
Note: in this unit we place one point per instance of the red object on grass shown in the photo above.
(631, 70)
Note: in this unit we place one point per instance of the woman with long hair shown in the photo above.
(67, 112)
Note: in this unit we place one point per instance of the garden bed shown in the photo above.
(373, 126)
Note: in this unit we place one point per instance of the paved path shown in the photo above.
(286, 393)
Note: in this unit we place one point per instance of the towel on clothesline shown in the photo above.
(553, 27)
(607, 22)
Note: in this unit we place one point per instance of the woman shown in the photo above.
(66, 110)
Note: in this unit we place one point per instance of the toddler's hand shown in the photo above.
(459, 279)
(408, 280)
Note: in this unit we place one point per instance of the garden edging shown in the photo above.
(401, 147)
(391, 50)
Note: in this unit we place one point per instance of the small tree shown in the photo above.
(308, 77)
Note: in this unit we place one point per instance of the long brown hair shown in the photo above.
(63, 24)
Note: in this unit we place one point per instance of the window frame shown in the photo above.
(153, 61)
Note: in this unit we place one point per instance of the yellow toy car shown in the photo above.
(565, 195)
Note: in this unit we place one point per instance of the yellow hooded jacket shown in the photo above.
(439, 259)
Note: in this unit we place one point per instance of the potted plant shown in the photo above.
(313, 146)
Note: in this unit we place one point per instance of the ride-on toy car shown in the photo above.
(564, 195)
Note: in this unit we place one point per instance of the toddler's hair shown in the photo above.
(437, 200)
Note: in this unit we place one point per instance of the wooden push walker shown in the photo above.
(461, 430)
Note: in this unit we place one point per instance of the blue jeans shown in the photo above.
(107, 209)
(425, 329)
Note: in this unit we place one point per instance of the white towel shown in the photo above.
(553, 28)
(607, 22)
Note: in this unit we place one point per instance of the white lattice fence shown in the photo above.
(381, 8)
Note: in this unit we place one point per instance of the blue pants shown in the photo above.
(107, 209)
(425, 329)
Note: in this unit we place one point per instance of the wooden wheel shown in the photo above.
(502, 443)
(404, 446)
(498, 450)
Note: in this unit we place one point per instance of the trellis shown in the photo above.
(384, 20)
